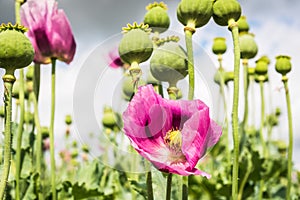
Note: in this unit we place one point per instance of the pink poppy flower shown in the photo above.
(49, 31)
(172, 135)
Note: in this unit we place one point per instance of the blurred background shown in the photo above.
(95, 23)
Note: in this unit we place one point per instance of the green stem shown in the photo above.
(20, 133)
(261, 84)
(169, 187)
(36, 79)
(39, 154)
(246, 86)
(17, 11)
(235, 36)
(189, 31)
(226, 125)
(189, 49)
(262, 121)
(51, 131)
(8, 80)
(244, 181)
(135, 73)
(149, 186)
(172, 91)
(290, 150)
(185, 185)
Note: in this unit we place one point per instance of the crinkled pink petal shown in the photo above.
(194, 135)
(146, 121)
(149, 117)
(50, 31)
(61, 39)
(38, 57)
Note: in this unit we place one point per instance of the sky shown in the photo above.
(84, 86)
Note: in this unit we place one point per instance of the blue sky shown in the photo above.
(97, 24)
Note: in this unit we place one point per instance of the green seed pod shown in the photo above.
(224, 10)
(68, 119)
(157, 17)
(109, 119)
(251, 131)
(127, 87)
(179, 94)
(74, 144)
(30, 73)
(28, 87)
(152, 80)
(169, 63)
(2, 112)
(248, 46)
(281, 146)
(278, 112)
(85, 148)
(194, 13)
(74, 153)
(28, 118)
(220, 74)
(16, 50)
(261, 78)
(272, 120)
(229, 76)
(243, 24)
(262, 64)
(16, 89)
(136, 45)
(219, 46)
(283, 64)
(251, 71)
(45, 132)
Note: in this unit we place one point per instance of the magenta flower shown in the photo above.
(49, 31)
(172, 135)
(114, 60)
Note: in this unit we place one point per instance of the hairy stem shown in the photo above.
(235, 36)
(8, 80)
(189, 49)
(246, 86)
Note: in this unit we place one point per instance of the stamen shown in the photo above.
(173, 139)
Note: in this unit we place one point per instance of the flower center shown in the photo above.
(173, 140)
